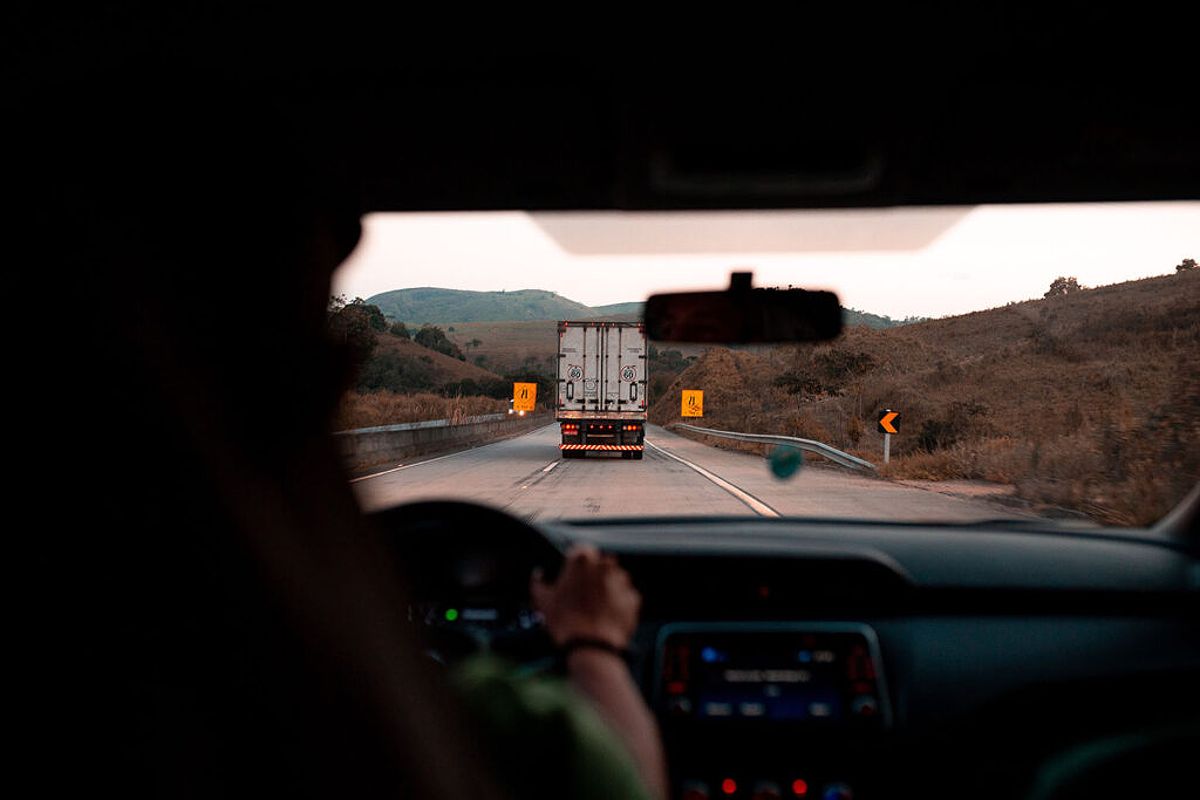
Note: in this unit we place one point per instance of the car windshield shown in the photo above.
(1018, 362)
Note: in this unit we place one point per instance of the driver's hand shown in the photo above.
(593, 598)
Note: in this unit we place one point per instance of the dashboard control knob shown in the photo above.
(864, 706)
(694, 790)
(837, 791)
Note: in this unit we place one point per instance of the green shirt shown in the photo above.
(547, 740)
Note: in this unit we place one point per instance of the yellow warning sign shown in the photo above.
(693, 403)
(524, 396)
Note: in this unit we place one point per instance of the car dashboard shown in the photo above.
(834, 659)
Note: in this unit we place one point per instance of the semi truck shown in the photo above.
(602, 388)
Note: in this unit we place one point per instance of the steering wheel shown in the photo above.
(467, 569)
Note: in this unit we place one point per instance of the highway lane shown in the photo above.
(525, 476)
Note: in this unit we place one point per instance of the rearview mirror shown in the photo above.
(743, 315)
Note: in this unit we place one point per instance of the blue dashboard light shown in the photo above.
(804, 656)
(709, 655)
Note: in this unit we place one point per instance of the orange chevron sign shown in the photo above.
(889, 421)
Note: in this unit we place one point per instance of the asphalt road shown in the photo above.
(525, 476)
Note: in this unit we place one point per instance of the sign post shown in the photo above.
(887, 423)
(693, 403)
(524, 397)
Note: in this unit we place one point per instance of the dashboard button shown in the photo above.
(837, 791)
(718, 709)
(752, 709)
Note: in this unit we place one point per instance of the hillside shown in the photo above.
(507, 346)
(402, 365)
(852, 316)
(440, 306)
(1089, 401)
(504, 346)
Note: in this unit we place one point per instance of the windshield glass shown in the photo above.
(1022, 362)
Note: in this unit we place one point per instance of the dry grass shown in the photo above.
(386, 408)
(1088, 401)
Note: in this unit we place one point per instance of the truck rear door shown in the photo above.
(578, 381)
(624, 369)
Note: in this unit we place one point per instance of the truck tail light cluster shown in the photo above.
(630, 427)
(570, 428)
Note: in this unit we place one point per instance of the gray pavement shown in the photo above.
(526, 477)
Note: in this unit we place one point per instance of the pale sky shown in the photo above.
(898, 262)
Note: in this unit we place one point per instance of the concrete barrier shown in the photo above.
(368, 447)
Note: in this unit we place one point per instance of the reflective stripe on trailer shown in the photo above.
(601, 447)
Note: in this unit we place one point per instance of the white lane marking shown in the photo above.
(759, 507)
(551, 466)
(397, 468)
(404, 466)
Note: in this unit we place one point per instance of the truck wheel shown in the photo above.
(636, 455)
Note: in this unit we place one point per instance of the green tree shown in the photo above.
(353, 326)
(1188, 265)
(1063, 285)
(374, 315)
(434, 338)
(398, 329)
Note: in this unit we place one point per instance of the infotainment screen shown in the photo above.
(810, 675)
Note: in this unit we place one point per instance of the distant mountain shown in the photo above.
(440, 306)
(619, 309)
(451, 306)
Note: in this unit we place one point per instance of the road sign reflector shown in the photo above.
(524, 396)
(693, 403)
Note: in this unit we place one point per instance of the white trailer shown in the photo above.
(602, 387)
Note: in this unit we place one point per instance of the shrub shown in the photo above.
(1062, 285)
(949, 428)
(395, 373)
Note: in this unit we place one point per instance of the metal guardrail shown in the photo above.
(811, 445)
